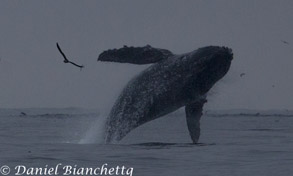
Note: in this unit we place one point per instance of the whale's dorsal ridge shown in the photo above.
(135, 55)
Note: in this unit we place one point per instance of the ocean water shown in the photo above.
(231, 143)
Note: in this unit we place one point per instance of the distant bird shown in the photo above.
(23, 114)
(285, 42)
(242, 74)
(66, 60)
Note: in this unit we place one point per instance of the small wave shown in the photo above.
(248, 115)
(161, 144)
(57, 116)
(266, 129)
(43, 158)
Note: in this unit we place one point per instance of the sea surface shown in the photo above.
(232, 142)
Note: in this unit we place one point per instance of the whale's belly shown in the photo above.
(153, 93)
(160, 89)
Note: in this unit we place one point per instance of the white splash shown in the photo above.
(95, 133)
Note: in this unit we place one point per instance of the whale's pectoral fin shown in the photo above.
(193, 115)
(135, 55)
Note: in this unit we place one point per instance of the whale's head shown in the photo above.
(213, 63)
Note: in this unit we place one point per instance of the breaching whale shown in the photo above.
(171, 82)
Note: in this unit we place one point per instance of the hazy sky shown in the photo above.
(32, 73)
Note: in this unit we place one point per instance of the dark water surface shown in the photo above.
(229, 144)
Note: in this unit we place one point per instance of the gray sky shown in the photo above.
(32, 73)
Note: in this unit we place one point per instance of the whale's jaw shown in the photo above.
(215, 63)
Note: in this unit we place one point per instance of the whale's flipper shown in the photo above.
(193, 114)
(135, 55)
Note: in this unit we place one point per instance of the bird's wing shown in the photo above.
(61, 52)
(135, 55)
(80, 66)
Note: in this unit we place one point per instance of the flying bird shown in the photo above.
(22, 114)
(285, 42)
(66, 60)
(242, 74)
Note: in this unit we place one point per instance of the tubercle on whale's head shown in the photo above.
(215, 62)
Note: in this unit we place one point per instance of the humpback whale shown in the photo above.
(171, 82)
